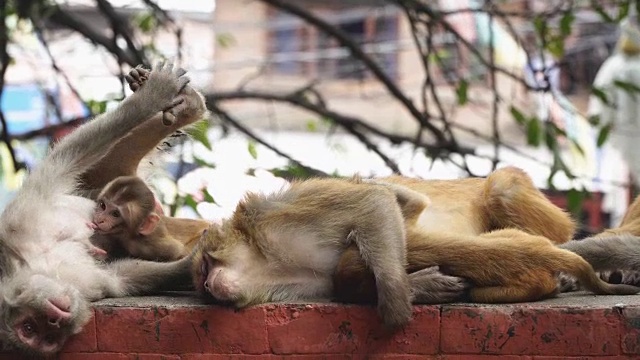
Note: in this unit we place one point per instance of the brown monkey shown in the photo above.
(285, 246)
(47, 280)
(127, 213)
(124, 157)
(502, 266)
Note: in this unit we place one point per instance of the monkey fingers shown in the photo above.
(430, 286)
(136, 77)
(168, 115)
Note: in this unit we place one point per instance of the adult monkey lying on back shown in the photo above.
(47, 276)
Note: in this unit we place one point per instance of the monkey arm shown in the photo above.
(125, 155)
(141, 277)
(86, 145)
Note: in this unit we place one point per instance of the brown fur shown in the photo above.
(285, 246)
(464, 209)
(124, 158)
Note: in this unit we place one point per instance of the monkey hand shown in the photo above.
(430, 286)
(161, 88)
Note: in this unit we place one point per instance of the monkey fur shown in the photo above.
(126, 213)
(48, 277)
(285, 246)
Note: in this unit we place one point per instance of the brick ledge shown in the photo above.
(182, 326)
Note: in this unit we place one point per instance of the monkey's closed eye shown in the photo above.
(115, 213)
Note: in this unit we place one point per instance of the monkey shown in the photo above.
(47, 281)
(464, 207)
(285, 246)
(503, 266)
(124, 157)
(492, 267)
(127, 212)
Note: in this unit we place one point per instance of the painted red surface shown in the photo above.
(336, 332)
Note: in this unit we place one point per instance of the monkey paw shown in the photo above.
(162, 86)
(567, 283)
(136, 77)
(430, 286)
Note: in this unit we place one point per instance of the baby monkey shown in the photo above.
(127, 212)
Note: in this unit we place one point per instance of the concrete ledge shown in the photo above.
(181, 326)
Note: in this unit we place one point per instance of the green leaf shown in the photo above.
(251, 146)
(517, 115)
(207, 196)
(225, 40)
(533, 132)
(199, 133)
(555, 46)
(461, 91)
(540, 25)
(594, 120)
(203, 163)
(603, 135)
(575, 199)
(190, 202)
(146, 22)
(628, 87)
(312, 126)
(623, 10)
(600, 10)
(565, 23)
(600, 94)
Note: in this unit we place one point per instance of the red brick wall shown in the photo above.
(329, 331)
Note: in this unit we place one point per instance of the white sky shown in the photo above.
(205, 6)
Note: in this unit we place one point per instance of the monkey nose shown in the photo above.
(206, 285)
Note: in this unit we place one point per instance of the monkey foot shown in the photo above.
(567, 283)
(430, 286)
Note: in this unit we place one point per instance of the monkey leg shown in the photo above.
(522, 292)
(512, 201)
(354, 283)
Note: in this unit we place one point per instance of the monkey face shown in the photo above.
(40, 314)
(108, 217)
(219, 267)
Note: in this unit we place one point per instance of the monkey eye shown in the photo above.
(29, 328)
(115, 213)
(102, 205)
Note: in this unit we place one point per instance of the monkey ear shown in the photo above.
(149, 224)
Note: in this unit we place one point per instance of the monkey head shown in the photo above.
(126, 204)
(221, 256)
(39, 313)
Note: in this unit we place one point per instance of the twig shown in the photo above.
(235, 123)
(358, 53)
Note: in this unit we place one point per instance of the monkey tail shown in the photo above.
(608, 251)
(513, 201)
(571, 263)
